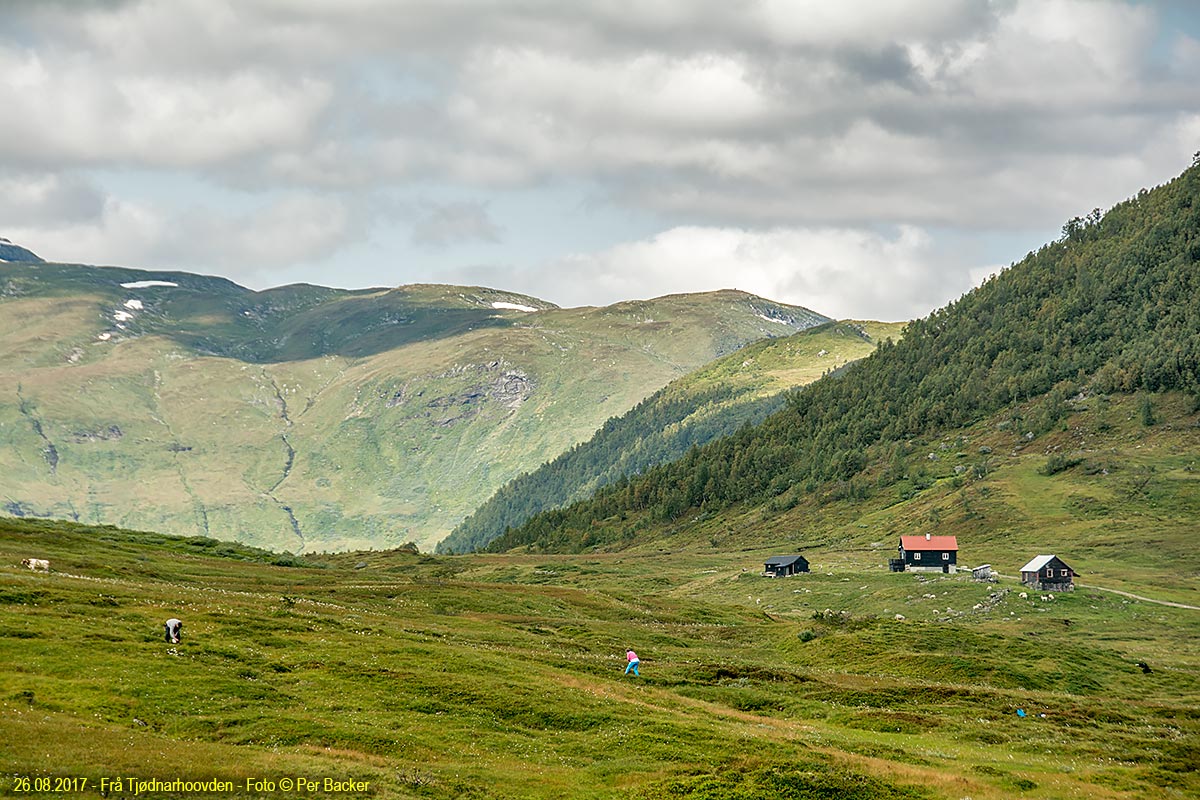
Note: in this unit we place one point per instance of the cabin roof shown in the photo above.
(783, 561)
(914, 543)
(1040, 561)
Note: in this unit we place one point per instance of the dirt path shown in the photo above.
(1117, 591)
(1138, 597)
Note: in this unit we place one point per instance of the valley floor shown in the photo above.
(501, 676)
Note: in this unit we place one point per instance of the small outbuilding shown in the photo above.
(928, 553)
(782, 566)
(1048, 574)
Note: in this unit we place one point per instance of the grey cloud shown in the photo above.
(39, 198)
(290, 229)
(756, 114)
(455, 223)
(502, 94)
(889, 64)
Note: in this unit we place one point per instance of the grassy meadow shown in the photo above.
(500, 676)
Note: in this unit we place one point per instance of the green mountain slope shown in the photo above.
(1113, 306)
(304, 418)
(742, 388)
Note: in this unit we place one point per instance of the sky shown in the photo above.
(869, 160)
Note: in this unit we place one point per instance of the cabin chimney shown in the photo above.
(927, 537)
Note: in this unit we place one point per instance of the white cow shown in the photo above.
(36, 564)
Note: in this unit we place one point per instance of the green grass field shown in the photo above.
(501, 676)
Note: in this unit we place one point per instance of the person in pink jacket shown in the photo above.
(633, 662)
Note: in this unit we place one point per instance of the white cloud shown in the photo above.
(81, 109)
(293, 228)
(838, 272)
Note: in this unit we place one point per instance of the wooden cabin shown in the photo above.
(1048, 574)
(928, 553)
(782, 566)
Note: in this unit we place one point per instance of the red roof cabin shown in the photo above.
(928, 553)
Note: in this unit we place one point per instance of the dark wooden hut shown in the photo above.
(1048, 574)
(782, 566)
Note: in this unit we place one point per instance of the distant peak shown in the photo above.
(474, 296)
(14, 252)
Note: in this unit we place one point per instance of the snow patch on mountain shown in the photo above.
(775, 319)
(513, 306)
(146, 284)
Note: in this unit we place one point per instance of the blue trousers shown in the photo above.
(633, 665)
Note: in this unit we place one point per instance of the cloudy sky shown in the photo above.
(869, 159)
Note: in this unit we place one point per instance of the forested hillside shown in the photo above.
(742, 388)
(1112, 306)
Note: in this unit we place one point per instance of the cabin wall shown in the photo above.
(930, 560)
(1050, 578)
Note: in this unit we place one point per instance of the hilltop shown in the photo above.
(304, 418)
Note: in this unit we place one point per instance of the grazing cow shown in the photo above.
(173, 628)
(36, 564)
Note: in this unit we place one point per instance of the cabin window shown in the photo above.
(945, 556)
(916, 556)
(1066, 572)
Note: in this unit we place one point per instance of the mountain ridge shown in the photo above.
(304, 417)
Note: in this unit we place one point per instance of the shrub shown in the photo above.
(1146, 410)
(1057, 463)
